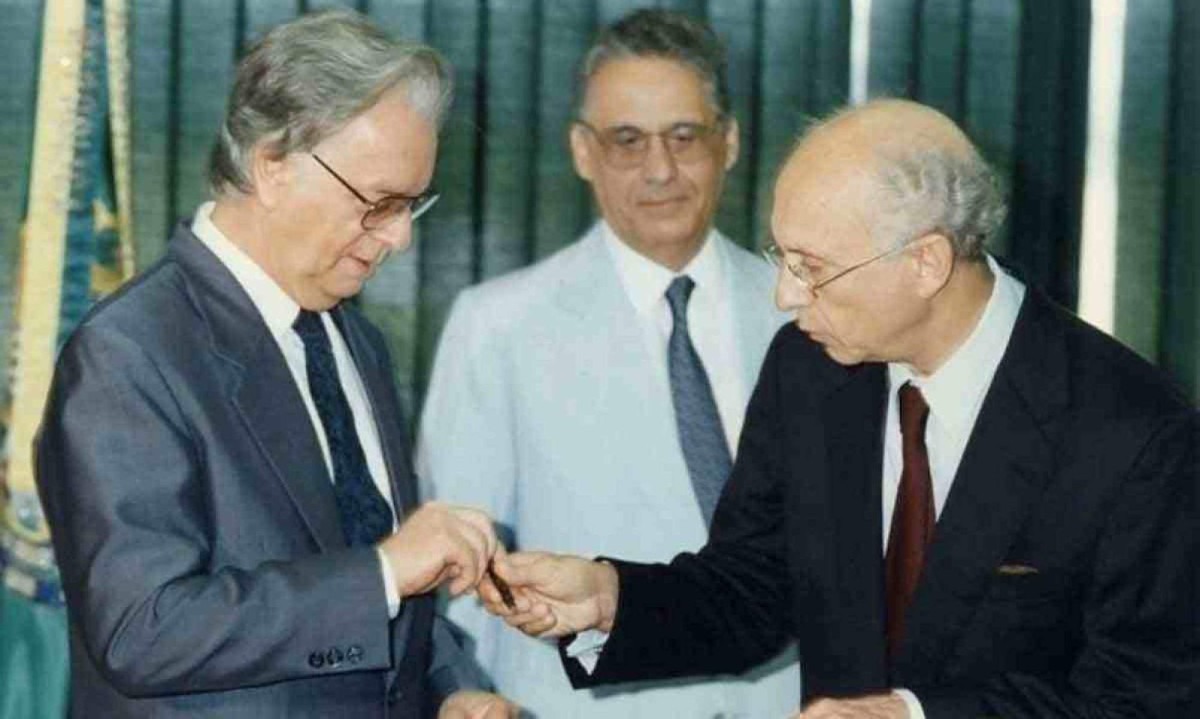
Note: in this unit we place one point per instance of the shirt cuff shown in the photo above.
(587, 647)
(910, 700)
(389, 583)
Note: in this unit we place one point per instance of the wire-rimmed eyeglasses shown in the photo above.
(625, 146)
(777, 257)
(383, 211)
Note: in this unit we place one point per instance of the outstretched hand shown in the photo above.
(553, 595)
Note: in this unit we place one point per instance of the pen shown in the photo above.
(501, 586)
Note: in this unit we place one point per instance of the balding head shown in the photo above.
(905, 169)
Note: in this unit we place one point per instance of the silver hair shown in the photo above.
(951, 192)
(662, 34)
(304, 80)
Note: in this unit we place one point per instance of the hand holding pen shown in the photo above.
(552, 595)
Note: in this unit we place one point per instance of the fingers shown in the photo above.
(521, 569)
(467, 550)
(441, 544)
(482, 524)
(468, 704)
(538, 621)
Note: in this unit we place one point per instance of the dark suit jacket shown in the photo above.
(195, 523)
(1062, 578)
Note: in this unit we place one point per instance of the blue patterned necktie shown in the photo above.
(700, 434)
(366, 517)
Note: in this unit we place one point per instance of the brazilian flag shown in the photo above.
(64, 242)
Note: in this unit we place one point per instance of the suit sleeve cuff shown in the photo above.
(910, 700)
(389, 583)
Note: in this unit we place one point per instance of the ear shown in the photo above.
(732, 143)
(581, 152)
(933, 255)
(271, 174)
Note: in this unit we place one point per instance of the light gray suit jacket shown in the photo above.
(195, 523)
(546, 410)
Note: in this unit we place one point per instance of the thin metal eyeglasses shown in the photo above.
(775, 255)
(383, 211)
(625, 146)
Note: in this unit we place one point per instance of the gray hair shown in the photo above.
(304, 80)
(954, 193)
(661, 34)
(930, 178)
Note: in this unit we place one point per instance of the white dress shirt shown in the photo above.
(709, 316)
(279, 312)
(955, 394)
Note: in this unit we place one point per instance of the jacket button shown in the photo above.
(334, 657)
(316, 660)
(354, 654)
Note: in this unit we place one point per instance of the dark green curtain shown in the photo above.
(1013, 73)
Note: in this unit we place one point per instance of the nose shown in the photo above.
(791, 294)
(659, 165)
(397, 234)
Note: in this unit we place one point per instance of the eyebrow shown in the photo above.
(806, 254)
(385, 194)
(672, 126)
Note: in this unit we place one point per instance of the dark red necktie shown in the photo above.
(913, 517)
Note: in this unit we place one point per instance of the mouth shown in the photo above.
(664, 203)
(360, 266)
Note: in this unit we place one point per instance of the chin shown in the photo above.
(843, 355)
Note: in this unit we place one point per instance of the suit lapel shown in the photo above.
(1006, 464)
(853, 417)
(389, 420)
(261, 388)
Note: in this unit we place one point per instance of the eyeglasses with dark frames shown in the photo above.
(625, 147)
(777, 257)
(383, 211)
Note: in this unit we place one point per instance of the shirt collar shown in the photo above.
(646, 281)
(277, 308)
(955, 390)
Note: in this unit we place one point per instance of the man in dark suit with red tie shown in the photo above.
(960, 499)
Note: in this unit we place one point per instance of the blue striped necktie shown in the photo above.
(700, 433)
(366, 517)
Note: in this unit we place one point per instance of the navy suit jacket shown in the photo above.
(1062, 578)
(195, 524)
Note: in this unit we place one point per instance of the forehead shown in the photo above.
(647, 92)
(822, 212)
(390, 142)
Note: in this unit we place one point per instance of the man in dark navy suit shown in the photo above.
(223, 457)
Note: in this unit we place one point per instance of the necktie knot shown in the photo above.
(913, 411)
(309, 326)
(678, 294)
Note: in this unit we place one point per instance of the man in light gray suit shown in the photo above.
(223, 457)
(593, 402)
